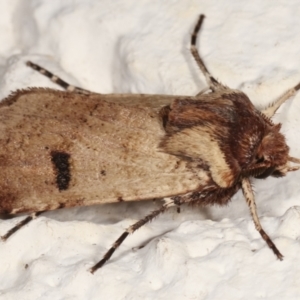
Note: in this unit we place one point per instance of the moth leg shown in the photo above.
(248, 193)
(214, 85)
(271, 110)
(57, 80)
(130, 229)
(20, 225)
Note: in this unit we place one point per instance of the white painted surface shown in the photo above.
(143, 46)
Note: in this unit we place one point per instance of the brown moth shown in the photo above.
(74, 148)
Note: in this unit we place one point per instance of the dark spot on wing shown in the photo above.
(61, 165)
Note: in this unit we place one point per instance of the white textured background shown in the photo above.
(142, 46)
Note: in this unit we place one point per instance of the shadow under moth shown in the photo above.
(75, 148)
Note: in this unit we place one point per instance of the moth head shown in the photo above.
(273, 154)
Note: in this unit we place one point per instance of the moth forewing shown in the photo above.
(62, 149)
(72, 149)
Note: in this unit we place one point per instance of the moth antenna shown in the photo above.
(214, 85)
(294, 159)
(271, 110)
(20, 225)
(248, 194)
(130, 229)
(57, 80)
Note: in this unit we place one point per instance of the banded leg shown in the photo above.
(248, 193)
(214, 85)
(271, 110)
(57, 80)
(129, 230)
(20, 225)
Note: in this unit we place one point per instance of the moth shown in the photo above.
(75, 148)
